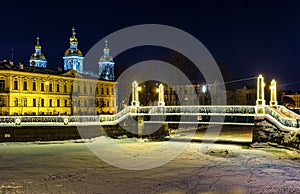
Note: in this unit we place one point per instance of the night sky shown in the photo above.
(246, 37)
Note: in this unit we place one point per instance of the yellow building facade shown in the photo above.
(35, 89)
(27, 90)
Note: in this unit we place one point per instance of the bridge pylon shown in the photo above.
(273, 97)
(135, 94)
(260, 101)
(161, 101)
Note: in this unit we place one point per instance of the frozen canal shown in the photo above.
(70, 167)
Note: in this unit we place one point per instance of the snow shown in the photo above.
(71, 167)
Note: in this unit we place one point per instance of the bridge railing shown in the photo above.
(287, 112)
(197, 110)
(115, 117)
(289, 122)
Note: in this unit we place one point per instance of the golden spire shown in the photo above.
(73, 38)
(38, 46)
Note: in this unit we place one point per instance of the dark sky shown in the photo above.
(247, 37)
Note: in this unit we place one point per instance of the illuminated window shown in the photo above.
(25, 85)
(15, 85)
(34, 102)
(16, 102)
(50, 88)
(25, 102)
(57, 87)
(34, 86)
(42, 87)
(2, 85)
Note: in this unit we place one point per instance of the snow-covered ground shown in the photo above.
(70, 167)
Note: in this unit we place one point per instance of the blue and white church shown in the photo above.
(38, 59)
(73, 58)
(106, 65)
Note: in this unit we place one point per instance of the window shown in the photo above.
(65, 88)
(112, 91)
(2, 102)
(34, 86)
(15, 85)
(42, 87)
(58, 103)
(107, 91)
(42, 102)
(66, 103)
(25, 85)
(91, 90)
(57, 87)
(84, 88)
(16, 102)
(107, 103)
(50, 102)
(78, 88)
(50, 88)
(34, 102)
(25, 102)
(102, 91)
(71, 88)
(2, 85)
(78, 103)
(96, 90)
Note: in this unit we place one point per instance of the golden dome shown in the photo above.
(35, 56)
(106, 58)
(73, 52)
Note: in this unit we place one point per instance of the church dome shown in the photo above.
(73, 52)
(106, 57)
(36, 56)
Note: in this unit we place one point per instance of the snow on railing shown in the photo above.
(151, 110)
(287, 112)
(289, 122)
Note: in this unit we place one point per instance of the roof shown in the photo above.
(10, 65)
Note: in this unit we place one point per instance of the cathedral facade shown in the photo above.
(35, 89)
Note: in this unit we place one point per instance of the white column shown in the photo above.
(273, 100)
(161, 101)
(135, 94)
(260, 101)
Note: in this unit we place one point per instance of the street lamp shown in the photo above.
(204, 91)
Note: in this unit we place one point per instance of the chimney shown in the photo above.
(11, 63)
(59, 69)
(21, 66)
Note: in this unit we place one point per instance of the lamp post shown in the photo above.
(160, 91)
(204, 91)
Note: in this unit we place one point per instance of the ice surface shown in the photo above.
(70, 167)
